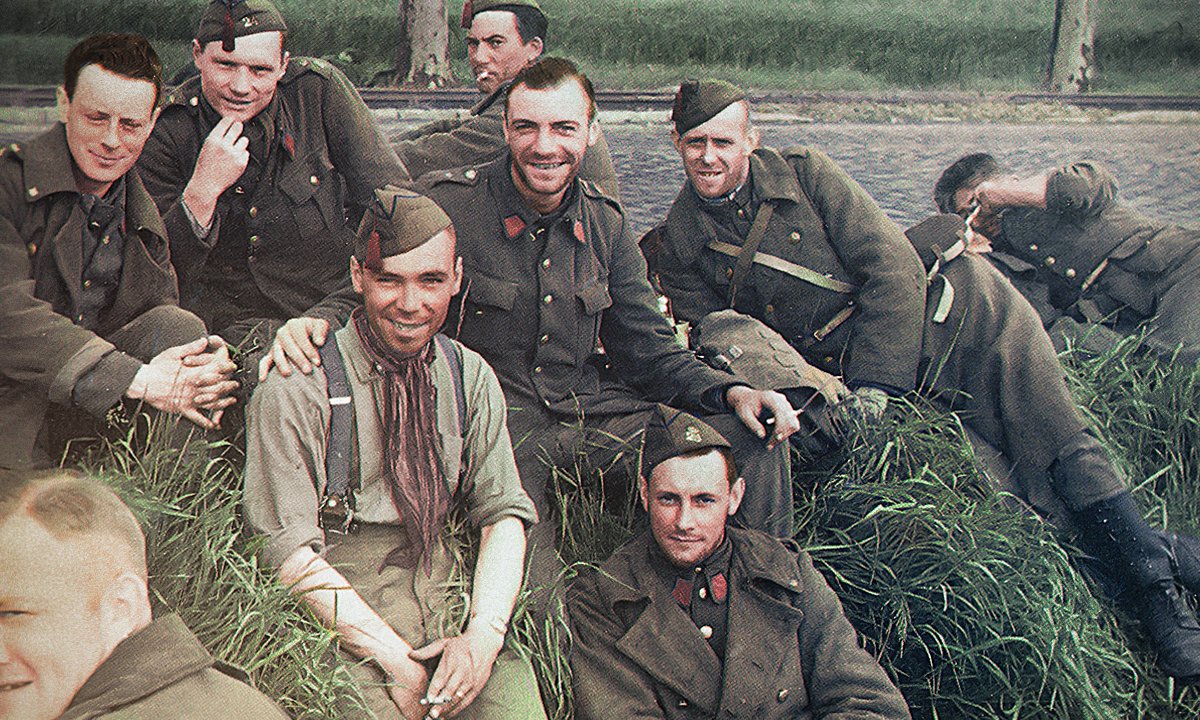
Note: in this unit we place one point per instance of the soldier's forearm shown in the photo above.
(497, 574)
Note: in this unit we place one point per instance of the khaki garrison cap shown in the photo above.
(225, 20)
(671, 433)
(398, 221)
(699, 101)
(471, 8)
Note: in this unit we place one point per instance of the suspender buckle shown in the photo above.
(337, 515)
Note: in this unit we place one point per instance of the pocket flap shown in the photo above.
(484, 290)
(594, 296)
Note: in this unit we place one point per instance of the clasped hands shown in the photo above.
(194, 380)
(463, 669)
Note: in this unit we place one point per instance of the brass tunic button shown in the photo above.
(239, 190)
(105, 240)
(729, 273)
(33, 192)
(314, 180)
(770, 308)
(79, 317)
(703, 593)
(253, 212)
(794, 237)
(33, 248)
(705, 631)
(782, 695)
(544, 339)
(194, 101)
(681, 703)
(470, 174)
(1033, 247)
(1070, 272)
(253, 239)
(741, 212)
(87, 283)
(546, 263)
(548, 299)
(1050, 261)
(537, 370)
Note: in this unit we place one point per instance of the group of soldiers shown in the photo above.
(432, 326)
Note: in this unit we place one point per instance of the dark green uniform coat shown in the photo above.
(791, 653)
(1127, 268)
(289, 241)
(825, 222)
(479, 138)
(47, 358)
(162, 671)
(540, 297)
(991, 361)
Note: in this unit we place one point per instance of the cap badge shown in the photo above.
(692, 434)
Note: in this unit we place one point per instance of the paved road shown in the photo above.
(1158, 166)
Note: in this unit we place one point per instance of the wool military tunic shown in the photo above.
(48, 355)
(1128, 268)
(478, 138)
(162, 671)
(790, 653)
(280, 243)
(859, 315)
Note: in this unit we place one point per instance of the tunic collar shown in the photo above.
(48, 167)
(516, 213)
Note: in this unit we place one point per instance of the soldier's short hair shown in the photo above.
(70, 505)
(127, 54)
(531, 23)
(968, 170)
(550, 72)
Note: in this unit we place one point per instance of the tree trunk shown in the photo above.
(423, 43)
(1072, 64)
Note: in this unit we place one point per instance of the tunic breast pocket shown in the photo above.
(487, 317)
(594, 299)
(314, 194)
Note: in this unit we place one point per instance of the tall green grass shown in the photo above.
(768, 43)
(976, 610)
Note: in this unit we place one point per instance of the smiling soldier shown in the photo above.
(694, 619)
(352, 474)
(503, 38)
(88, 311)
(255, 165)
(550, 273)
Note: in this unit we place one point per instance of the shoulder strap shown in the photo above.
(745, 258)
(341, 415)
(453, 356)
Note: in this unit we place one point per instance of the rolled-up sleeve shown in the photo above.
(285, 463)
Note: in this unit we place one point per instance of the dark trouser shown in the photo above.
(612, 444)
(36, 433)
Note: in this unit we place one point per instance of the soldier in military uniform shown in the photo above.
(428, 436)
(77, 639)
(695, 619)
(550, 273)
(88, 311)
(254, 165)
(981, 350)
(503, 36)
(1101, 261)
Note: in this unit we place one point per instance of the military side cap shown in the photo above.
(225, 20)
(672, 433)
(398, 221)
(473, 7)
(699, 101)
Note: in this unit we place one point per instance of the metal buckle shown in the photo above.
(337, 515)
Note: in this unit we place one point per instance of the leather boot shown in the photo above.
(1137, 558)
(1184, 552)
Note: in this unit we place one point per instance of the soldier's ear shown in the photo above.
(124, 608)
(736, 491)
(62, 103)
(197, 51)
(644, 492)
(356, 275)
(593, 131)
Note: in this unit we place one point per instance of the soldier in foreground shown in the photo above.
(255, 165)
(1096, 259)
(697, 619)
(503, 38)
(353, 474)
(88, 304)
(550, 274)
(77, 639)
(981, 350)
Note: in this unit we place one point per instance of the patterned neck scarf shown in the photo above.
(411, 466)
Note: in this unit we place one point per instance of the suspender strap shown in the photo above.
(745, 257)
(337, 506)
(945, 301)
(808, 275)
(452, 353)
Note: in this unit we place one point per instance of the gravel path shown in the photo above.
(1158, 166)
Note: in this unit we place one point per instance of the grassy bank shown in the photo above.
(975, 610)
(1141, 45)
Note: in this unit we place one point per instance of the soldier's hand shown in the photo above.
(295, 347)
(187, 380)
(406, 686)
(865, 406)
(465, 666)
(222, 160)
(750, 405)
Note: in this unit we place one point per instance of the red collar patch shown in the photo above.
(578, 230)
(513, 225)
